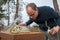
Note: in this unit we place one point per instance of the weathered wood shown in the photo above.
(22, 36)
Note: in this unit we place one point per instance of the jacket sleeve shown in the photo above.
(55, 16)
(29, 21)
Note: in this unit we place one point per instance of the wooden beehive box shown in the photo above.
(22, 36)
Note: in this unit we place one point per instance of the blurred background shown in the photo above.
(14, 10)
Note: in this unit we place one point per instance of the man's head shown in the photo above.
(32, 10)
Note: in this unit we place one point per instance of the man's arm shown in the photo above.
(55, 15)
(57, 19)
(29, 21)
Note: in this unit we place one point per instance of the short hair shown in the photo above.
(32, 5)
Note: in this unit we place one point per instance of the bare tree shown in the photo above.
(8, 12)
(56, 5)
(17, 6)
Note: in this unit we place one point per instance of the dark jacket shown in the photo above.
(46, 13)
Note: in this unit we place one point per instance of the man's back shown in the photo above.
(45, 13)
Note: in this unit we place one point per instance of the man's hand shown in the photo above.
(54, 30)
(22, 24)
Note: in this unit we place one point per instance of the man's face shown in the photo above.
(32, 13)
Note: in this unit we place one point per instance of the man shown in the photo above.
(46, 18)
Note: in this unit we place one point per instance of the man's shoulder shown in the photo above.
(44, 7)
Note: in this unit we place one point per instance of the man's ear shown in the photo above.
(36, 9)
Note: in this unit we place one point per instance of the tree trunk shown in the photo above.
(8, 12)
(56, 5)
(17, 6)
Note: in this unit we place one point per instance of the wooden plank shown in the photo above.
(23, 36)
